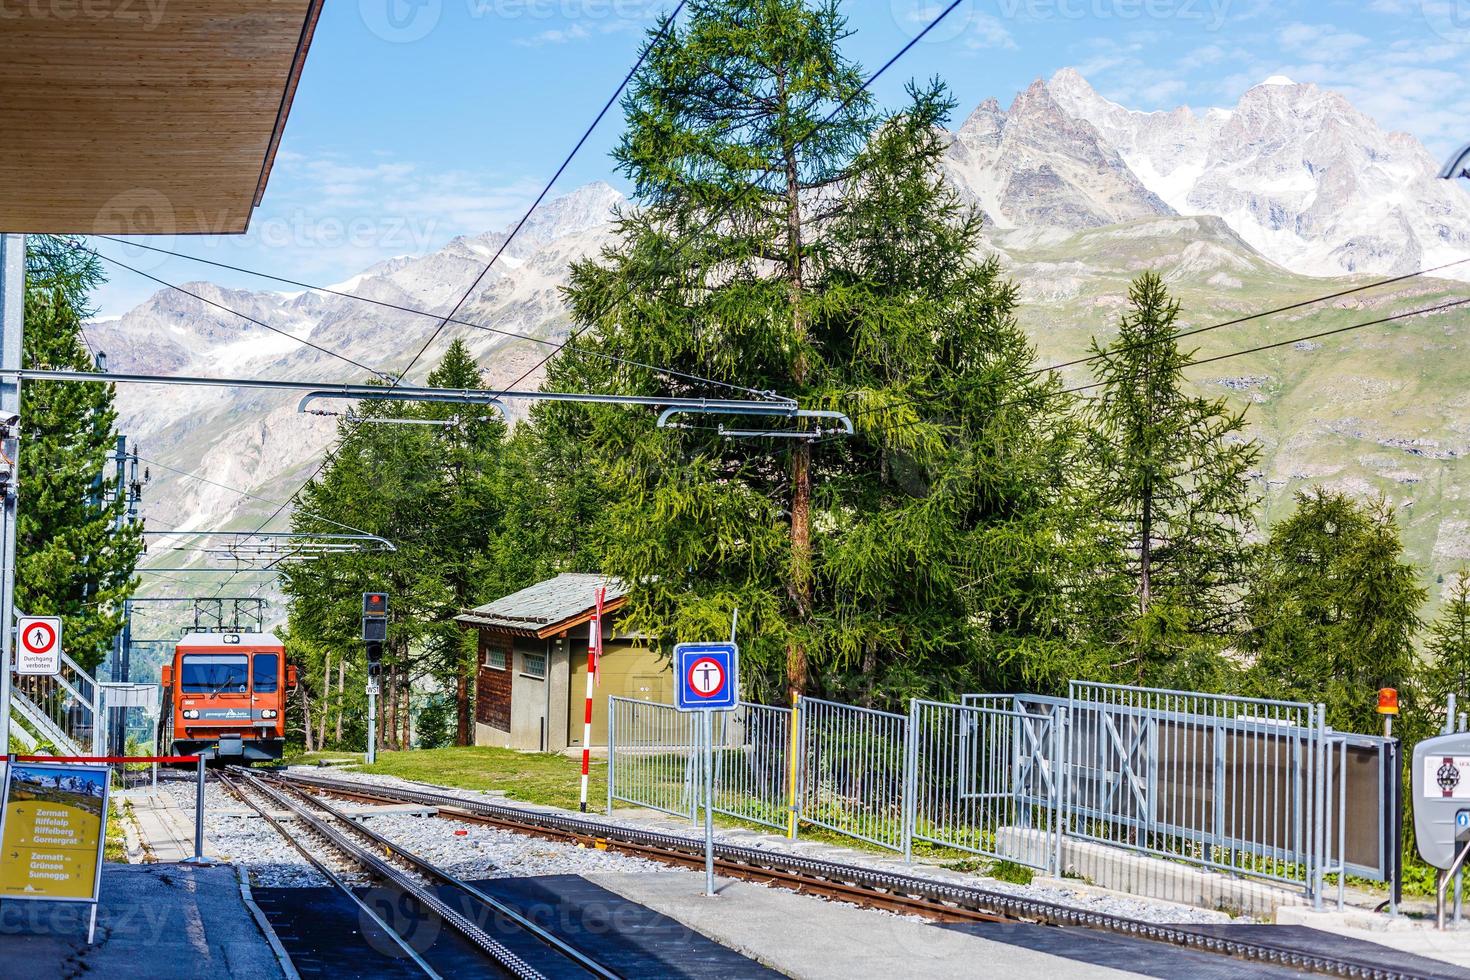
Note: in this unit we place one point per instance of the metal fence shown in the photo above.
(986, 780)
(752, 756)
(1233, 784)
(1254, 788)
(854, 772)
(651, 758)
(654, 760)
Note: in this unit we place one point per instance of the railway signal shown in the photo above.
(374, 633)
(374, 629)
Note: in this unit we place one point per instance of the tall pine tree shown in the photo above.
(72, 559)
(1171, 478)
(1333, 609)
(789, 237)
(435, 493)
(1448, 648)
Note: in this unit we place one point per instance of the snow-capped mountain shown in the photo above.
(1295, 170)
(255, 440)
(1036, 168)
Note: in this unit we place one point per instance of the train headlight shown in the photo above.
(191, 713)
(268, 713)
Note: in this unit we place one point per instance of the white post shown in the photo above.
(12, 323)
(372, 733)
(709, 805)
(594, 655)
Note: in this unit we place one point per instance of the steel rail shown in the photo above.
(504, 957)
(294, 840)
(431, 870)
(900, 892)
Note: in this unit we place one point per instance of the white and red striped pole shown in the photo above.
(594, 651)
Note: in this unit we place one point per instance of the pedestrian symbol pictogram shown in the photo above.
(40, 646)
(705, 675)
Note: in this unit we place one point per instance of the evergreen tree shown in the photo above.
(434, 492)
(789, 237)
(1333, 609)
(468, 517)
(72, 560)
(1171, 477)
(1448, 669)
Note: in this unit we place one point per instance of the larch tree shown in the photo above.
(1171, 477)
(1333, 610)
(434, 492)
(1447, 670)
(74, 557)
(787, 236)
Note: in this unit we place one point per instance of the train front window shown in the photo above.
(214, 673)
(267, 673)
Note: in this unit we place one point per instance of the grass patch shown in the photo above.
(534, 777)
(116, 846)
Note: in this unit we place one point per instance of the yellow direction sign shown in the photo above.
(52, 828)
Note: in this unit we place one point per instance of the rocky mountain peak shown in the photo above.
(1296, 169)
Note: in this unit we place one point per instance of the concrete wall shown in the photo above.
(629, 670)
(528, 697)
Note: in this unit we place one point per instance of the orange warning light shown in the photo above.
(1388, 701)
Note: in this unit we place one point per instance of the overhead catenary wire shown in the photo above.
(250, 319)
(663, 28)
(401, 308)
(1142, 344)
(1259, 348)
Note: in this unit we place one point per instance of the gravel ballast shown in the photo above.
(463, 849)
(1091, 899)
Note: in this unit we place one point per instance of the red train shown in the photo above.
(224, 697)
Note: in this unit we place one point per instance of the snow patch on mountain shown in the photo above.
(1296, 170)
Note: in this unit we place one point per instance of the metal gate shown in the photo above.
(853, 771)
(1229, 783)
(986, 778)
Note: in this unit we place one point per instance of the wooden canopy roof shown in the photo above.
(139, 117)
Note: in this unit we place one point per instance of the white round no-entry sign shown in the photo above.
(40, 645)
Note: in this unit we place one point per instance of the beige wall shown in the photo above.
(628, 670)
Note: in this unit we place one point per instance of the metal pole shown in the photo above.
(709, 805)
(1444, 880)
(612, 751)
(12, 324)
(793, 770)
(198, 857)
(372, 732)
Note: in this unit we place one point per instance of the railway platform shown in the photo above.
(153, 920)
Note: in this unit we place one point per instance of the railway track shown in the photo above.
(395, 867)
(872, 888)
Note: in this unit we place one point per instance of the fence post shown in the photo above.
(793, 768)
(1059, 784)
(612, 746)
(1319, 806)
(198, 857)
(910, 779)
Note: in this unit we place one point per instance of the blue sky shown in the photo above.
(417, 120)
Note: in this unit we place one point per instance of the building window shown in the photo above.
(534, 665)
(495, 658)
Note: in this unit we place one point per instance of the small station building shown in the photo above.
(531, 684)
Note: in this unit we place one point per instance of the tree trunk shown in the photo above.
(799, 584)
(462, 699)
(341, 695)
(326, 706)
(391, 696)
(306, 717)
(407, 740)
